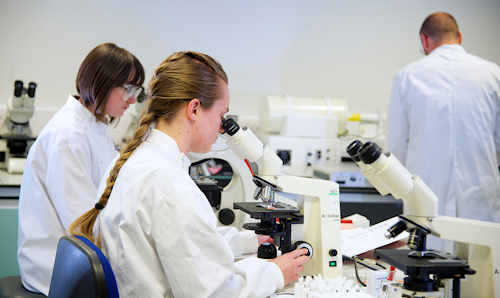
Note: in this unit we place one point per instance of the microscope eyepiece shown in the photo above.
(230, 126)
(370, 152)
(353, 149)
(18, 88)
(31, 89)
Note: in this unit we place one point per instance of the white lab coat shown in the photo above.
(161, 237)
(444, 125)
(60, 182)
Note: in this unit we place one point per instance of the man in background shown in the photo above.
(444, 122)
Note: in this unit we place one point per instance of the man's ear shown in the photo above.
(193, 108)
(425, 42)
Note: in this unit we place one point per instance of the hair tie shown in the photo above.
(99, 206)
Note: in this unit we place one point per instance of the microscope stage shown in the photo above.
(445, 265)
(256, 210)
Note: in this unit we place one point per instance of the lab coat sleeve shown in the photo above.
(69, 181)
(198, 261)
(397, 120)
(240, 242)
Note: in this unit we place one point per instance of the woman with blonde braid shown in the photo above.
(154, 224)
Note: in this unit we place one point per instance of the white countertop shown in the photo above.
(10, 179)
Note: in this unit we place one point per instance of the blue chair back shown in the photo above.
(81, 270)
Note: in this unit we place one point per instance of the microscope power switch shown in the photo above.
(333, 252)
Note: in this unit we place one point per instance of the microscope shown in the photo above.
(224, 178)
(316, 218)
(16, 136)
(478, 242)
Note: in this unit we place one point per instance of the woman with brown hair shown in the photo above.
(154, 224)
(70, 156)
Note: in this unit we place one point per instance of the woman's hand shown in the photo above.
(291, 264)
(265, 239)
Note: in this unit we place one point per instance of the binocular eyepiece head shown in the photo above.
(367, 152)
(19, 89)
(230, 126)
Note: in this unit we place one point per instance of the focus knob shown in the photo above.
(303, 244)
(267, 251)
(226, 216)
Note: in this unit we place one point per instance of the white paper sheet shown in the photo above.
(360, 240)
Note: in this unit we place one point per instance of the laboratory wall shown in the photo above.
(346, 49)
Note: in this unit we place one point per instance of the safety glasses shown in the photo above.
(133, 91)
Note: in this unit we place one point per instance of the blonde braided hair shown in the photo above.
(179, 78)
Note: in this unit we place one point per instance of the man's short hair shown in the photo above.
(440, 26)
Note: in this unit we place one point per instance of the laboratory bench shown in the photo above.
(9, 196)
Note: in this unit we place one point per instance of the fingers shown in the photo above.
(298, 252)
(302, 260)
(265, 239)
(270, 240)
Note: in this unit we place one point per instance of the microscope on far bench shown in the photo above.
(316, 218)
(425, 269)
(16, 136)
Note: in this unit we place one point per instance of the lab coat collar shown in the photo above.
(166, 143)
(82, 111)
(455, 48)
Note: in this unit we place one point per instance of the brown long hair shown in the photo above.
(181, 77)
(107, 66)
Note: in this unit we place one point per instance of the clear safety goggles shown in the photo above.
(133, 91)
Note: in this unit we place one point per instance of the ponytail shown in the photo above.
(84, 225)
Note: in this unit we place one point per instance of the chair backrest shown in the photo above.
(81, 270)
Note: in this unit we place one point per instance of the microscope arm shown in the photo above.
(247, 146)
(479, 244)
(394, 178)
(389, 176)
(467, 230)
